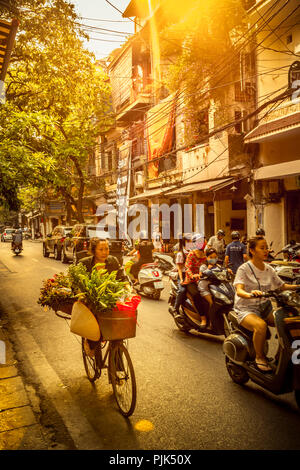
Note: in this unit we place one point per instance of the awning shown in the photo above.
(7, 38)
(280, 170)
(151, 193)
(283, 127)
(212, 185)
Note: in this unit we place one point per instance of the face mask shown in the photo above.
(213, 261)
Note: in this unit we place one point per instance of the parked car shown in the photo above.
(53, 243)
(76, 244)
(7, 234)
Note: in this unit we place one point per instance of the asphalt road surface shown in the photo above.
(185, 397)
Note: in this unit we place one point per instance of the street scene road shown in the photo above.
(185, 397)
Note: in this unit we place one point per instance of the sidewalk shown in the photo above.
(19, 428)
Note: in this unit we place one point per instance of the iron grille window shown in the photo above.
(294, 76)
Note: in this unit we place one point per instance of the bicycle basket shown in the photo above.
(116, 324)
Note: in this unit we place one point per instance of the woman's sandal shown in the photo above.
(264, 371)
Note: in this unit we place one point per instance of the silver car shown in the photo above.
(7, 235)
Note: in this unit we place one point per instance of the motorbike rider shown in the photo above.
(236, 252)
(218, 243)
(180, 264)
(211, 264)
(145, 249)
(253, 278)
(194, 260)
(17, 238)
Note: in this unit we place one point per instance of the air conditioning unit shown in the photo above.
(139, 179)
(273, 190)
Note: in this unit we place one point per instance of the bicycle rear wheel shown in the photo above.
(123, 379)
(90, 363)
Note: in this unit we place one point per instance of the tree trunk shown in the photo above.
(79, 203)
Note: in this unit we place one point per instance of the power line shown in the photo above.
(242, 46)
(106, 21)
(105, 29)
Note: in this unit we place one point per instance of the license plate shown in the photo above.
(159, 285)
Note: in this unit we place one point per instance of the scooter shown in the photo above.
(150, 281)
(291, 251)
(222, 292)
(240, 354)
(165, 262)
(17, 248)
(288, 271)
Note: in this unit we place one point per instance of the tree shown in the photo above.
(202, 39)
(58, 102)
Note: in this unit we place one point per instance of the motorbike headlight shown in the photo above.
(222, 297)
(291, 298)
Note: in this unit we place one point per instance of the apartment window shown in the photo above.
(238, 126)
(245, 94)
(109, 160)
(200, 126)
(294, 75)
(237, 224)
(102, 161)
(238, 205)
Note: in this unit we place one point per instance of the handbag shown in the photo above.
(84, 323)
(265, 307)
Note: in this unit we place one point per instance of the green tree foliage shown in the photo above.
(198, 42)
(58, 101)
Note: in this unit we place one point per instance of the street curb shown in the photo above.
(19, 426)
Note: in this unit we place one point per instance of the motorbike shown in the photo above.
(17, 248)
(240, 354)
(291, 251)
(222, 292)
(288, 271)
(150, 281)
(165, 262)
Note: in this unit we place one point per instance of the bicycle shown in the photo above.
(113, 356)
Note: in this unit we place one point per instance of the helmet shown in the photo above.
(235, 235)
(198, 242)
(221, 232)
(260, 231)
(143, 235)
(197, 237)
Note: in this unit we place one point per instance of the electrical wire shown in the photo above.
(256, 32)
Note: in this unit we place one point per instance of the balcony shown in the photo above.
(138, 104)
(282, 122)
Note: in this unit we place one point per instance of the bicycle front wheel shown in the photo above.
(123, 379)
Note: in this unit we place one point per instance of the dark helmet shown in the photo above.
(221, 232)
(261, 232)
(235, 235)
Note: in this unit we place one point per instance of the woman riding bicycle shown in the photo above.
(99, 250)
